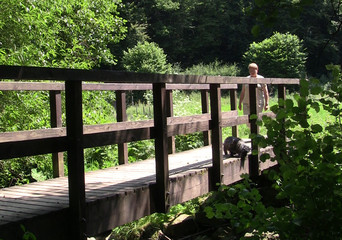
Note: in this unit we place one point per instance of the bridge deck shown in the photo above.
(114, 196)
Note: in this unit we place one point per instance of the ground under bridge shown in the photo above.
(82, 204)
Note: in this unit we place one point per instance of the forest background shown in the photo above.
(182, 36)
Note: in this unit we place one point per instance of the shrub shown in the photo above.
(146, 57)
(309, 176)
(281, 55)
(216, 68)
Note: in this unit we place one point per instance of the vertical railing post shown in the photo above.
(56, 121)
(282, 95)
(205, 109)
(233, 96)
(161, 148)
(254, 158)
(216, 139)
(169, 109)
(121, 116)
(74, 127)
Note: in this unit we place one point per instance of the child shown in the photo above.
(262, 92)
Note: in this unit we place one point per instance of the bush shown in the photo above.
(146, 57)
(281, 55)
(308, 178)
(216, 68)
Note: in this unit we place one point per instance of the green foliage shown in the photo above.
(140, 150)
(191, 32)
(59, 33)
(241, 205)
(148, 227)
(216, 68)
(100, 157)
(146, 57)
(281, 55)
(310, 162)
(27, 235)
(308, 180)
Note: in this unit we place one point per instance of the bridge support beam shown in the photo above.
(216, 139)
(162, 198)
(74, 127)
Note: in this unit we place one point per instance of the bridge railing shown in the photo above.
(75, 137)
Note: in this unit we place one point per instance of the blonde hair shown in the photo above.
(253, 65)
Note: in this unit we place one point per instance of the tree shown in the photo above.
(59, 33)
(147, 58)
(281, 55)
(318, 23)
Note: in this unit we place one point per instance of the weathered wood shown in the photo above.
(169, 113)
(56, 86)
(113, 196)
(216, 131)
(32, 147)
(74, 127)
(253, 159)
(56, 121)
(43, 141)
(233, 96)
(39, 73)
(205, 109)
(161, 148)
(121, 116)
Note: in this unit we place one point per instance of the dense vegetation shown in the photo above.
(286, 38)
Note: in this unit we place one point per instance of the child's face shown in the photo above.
(253, 71)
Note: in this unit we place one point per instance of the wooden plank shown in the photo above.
(205, 110)
(253, 159)
(104, 134)
(42, 73)
(169, 113)
(182, 129)
(56, 121)
(74, 126)
(188, 119)
(32, 147)
(32, 134)
(55, 86)
(216, 130)
(161, 148)
(121, 116)
(233, 97)
(24, 203)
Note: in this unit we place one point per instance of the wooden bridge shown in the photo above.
(82, 204)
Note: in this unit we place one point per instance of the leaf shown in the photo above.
(316, 128)
(265, 157)
(255, 30)
(281, 114)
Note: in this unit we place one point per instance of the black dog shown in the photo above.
(235, 145)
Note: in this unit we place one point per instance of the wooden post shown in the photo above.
(205, 109)
(74, 128)
(253, 159)
(56, 121)
(216, 132)
(161, 148)
(233, 96)
(282, 95)
(121, 116)
(169, 106)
